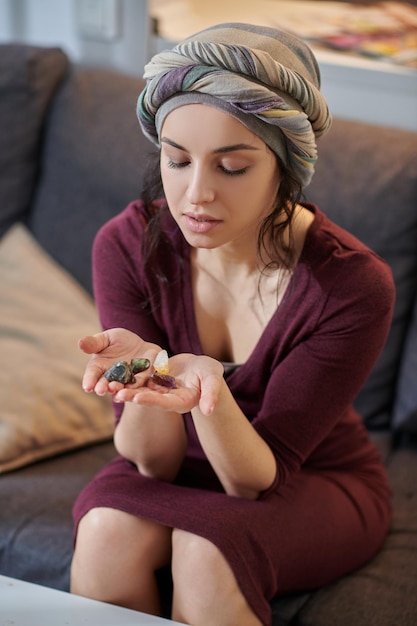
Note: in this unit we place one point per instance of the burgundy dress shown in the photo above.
(328, 510)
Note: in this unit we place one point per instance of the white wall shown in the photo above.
(54, 23)
(5, 20)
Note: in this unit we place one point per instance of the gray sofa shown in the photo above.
(72, 156)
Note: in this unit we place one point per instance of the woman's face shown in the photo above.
(220, 179)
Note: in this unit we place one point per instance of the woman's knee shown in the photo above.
(95, 546)
(107, 537)
(198, 561)
(115, 559)
(193, 549)
(205, 588)
(97, 530)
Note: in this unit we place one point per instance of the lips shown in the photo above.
(202, 224)
(200, 217)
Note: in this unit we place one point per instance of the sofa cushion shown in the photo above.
(405, 408)
(366, 181)
(43, 313)
(29, 77)
(36, 534)
(384, 591)
(93, 163)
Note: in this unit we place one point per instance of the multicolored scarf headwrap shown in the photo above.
(266, 78)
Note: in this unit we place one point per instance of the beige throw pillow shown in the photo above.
(43, 313)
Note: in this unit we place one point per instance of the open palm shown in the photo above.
(198, 380)
(115, 344)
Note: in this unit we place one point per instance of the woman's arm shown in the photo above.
(242, 460)
(154, 440)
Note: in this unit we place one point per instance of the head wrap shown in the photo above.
(266, 78)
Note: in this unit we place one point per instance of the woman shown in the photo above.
(254, 476)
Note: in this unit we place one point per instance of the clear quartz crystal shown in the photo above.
(161, 362)
(161, 375)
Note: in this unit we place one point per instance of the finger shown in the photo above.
(210, 390)
(149, 397)
(92, 376)
(92, 344)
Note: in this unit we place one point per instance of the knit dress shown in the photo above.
(328, 509)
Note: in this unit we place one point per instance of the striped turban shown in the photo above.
(266, 78)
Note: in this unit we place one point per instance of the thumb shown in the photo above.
(210, 390)
(92, 344)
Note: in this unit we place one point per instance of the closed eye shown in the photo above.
(239, 172)
(175, 165)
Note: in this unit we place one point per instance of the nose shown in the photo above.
(200, 188)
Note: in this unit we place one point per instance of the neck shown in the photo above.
(228, 263)
(241, 259)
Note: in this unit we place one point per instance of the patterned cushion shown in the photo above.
(43, 312)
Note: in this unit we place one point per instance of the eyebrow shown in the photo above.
(223, 149)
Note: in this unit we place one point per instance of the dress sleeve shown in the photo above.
(121, 289)
(313, 385)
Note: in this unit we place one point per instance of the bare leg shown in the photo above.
(205, 589)
(115, 559)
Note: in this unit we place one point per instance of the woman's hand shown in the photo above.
(116, 344)
(198, 378)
